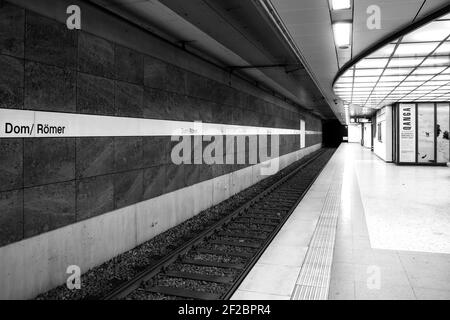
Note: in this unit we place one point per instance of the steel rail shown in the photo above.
(128, 287)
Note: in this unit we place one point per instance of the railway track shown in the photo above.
(212, 265)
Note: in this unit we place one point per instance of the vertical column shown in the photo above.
(302, 134)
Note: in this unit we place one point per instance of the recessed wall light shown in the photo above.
(342, 34)
(341, 4)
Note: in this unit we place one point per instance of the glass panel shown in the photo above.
(442, 132)
(425, 134)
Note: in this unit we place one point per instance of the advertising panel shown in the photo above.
(442, 132)
(425, 132)
(407, 132)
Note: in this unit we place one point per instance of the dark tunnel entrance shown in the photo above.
(333, 133)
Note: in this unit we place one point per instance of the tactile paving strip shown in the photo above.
(314, 279)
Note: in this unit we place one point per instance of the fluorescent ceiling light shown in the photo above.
(391, 78)
(443, 49)
(368, 72)
(412, 83)
(348, 73)
(343, 85)
(433, 31)
(417, 70)
(436, 61)
(340, 4)
(415, 49)
(405, 62)
(428, 70)
(366, 79)
(384, 52)
(342, 34)
(442, 77)
(382, 90)
(360, 90)
(372, 63)
(419, 78)
(397, 71)
(386, 84)
(437, 83)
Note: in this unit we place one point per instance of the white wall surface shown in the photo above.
(354, 132)
(383, 148)
(367, 127)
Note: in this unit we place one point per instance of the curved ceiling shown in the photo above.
(414, 66)
(310, 25)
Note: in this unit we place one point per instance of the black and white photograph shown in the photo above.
(224, 158)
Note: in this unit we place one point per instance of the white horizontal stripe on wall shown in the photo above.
(38, 124)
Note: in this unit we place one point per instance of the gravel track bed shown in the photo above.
(195, 285)
(250, 232)
(215, 258)
(235, 239)
(259, 219)
(271, 207)
(270, 217)
(100, 280)
(213, 271)
(250, 226)
(141, 294)
(227, 248)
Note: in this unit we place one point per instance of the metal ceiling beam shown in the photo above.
(297, 66)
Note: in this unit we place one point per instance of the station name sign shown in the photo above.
(41, 129)
(43, 124)
(34, 124)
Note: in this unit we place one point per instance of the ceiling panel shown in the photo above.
(309, 23)
(394, 15)
(417, 70)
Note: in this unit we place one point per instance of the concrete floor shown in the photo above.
(392, 237)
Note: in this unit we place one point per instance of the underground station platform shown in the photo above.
(237, 151)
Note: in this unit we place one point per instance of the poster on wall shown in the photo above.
(425, 132)
(407, 132)
(442, 132)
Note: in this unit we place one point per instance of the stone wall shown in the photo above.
(48, 183)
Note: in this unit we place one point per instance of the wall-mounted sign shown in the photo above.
(40, 124)
(407, 132)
